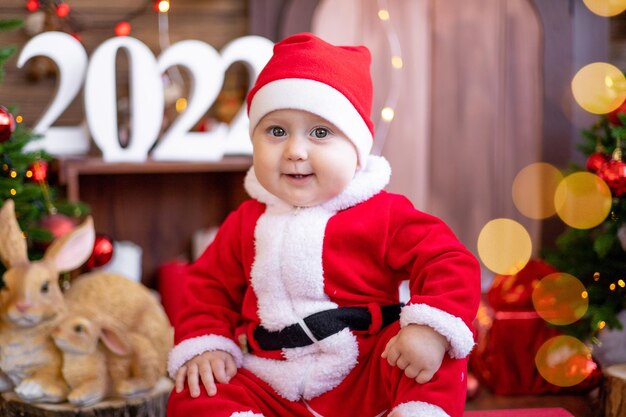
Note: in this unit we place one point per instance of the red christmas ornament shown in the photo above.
(596, 161)
(39, 170)
(102, 252)
(7, 124)
(612, 116)
(614, 174)
(58, 224)
(122, 28)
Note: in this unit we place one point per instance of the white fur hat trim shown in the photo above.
(317, 98)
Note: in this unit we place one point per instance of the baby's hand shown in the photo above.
(418, 350)
(209, 367)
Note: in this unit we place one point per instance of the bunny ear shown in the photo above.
(72, 250)
(13, 249)
(114, 340)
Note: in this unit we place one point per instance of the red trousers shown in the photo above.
(371, 389)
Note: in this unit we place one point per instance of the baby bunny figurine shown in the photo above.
(114, 338)
(90, 367)
(31, 305)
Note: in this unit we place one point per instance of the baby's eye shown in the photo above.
(78, 328)
(45, 287)
(320, 132)
(277, 131)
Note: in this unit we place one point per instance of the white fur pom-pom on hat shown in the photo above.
(333, 82)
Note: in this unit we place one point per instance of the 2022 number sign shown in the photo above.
(205, 65)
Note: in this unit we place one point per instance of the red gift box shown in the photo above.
(522, 412)
(509, 334)
(171, 279)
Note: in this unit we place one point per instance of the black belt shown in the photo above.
(323, 324)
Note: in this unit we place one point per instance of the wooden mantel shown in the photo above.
(70, 169)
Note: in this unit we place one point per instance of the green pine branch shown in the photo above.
(10, 24)
(596, 256)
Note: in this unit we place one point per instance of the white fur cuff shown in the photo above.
(189, 348)
(419, 409)
(246, 414)
(451, 327)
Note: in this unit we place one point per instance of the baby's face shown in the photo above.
(302, 158)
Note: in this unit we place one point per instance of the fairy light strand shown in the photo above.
(163, 7)
(387, 113)
(72, 22)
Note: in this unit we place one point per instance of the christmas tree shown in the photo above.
(597, 256)
(23, 177)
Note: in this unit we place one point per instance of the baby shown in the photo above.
(293, 309)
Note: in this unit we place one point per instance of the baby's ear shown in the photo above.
(72, 250)
(114, 340)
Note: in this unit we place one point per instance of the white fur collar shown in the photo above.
(365, 184)
(287, 277)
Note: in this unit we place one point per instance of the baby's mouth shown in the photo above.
(298, 176)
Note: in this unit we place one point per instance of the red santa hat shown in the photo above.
(333, 82)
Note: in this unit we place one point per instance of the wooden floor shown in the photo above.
(584, 405)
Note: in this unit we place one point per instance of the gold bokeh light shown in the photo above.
(582, 200)
(383, 14)
(606, 8)
(564, 361)
(560, 298)
(504, 246)
(387, 114)
(533, 190)
(599, 87)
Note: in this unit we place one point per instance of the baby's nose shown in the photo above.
(296, 149)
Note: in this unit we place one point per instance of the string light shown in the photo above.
(596, 276)
(181, 104)
(13, 191)
(584, 295)
(32, 5)
(612, 286)
(63, 9)
(13, 173)
(69, 22)
(172, 75)
(122, 28)
(396, 62)
(387, 113)
(621, 283)
(19, 118)
(601, 324)
(162, 6)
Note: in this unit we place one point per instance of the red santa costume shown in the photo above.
(274, 265)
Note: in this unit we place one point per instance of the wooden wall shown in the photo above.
(213, 21)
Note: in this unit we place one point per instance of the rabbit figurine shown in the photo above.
(31, 305)
(90, 367)
(134, 332)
